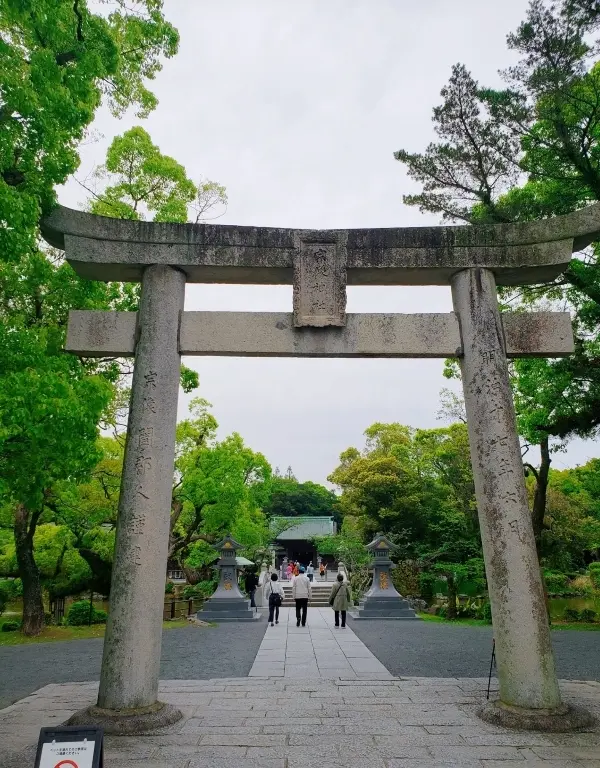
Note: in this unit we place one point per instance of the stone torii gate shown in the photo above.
(472, 260)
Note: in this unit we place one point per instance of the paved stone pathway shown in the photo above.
(317, 650)
(314, 696)
(279, 722)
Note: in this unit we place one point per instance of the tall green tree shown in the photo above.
(220, 488)
(145, 183)
(289, 498)
(59, 59)
(525, 152)
(415, 485)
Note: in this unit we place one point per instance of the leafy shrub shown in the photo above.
(405, 577)
(79, 615)
(10, 626)
(594, 570)
(555, 581)
(484, 612)
(468, 610)
(588, 615)
(581, 585)
(571, 614)
(169, 588)
(442, 611)
(426, 585)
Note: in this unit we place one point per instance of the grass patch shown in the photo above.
(54, 634)
(559, 625)
(462, 622)
(579, 626)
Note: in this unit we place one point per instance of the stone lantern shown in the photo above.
(227, 603)
(383, 601)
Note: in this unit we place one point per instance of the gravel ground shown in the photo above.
(423, 649)
(228, 650)
(188, 653)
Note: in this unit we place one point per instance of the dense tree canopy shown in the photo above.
(528, 152)
(289, 498)
(414, 484)
(58, 60)
(525, 152)
(417, 486)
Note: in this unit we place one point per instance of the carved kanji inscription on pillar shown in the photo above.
(320, 282)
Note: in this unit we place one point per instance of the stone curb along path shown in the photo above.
(314, 696)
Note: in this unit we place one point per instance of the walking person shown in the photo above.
(251, 582)
(302, 593)
(275, 595)
(322, 570)
(310, 572)
(340, 599)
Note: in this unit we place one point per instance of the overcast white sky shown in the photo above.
(297, 106)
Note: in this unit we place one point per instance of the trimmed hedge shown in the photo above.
(587, 615)
(555, 581)
(594, 569)
(79, 615)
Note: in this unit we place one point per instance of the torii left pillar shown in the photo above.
(128, 696)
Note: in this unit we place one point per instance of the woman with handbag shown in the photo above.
(340, 599)
(275, 595)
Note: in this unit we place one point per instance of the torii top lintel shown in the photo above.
(101, 248)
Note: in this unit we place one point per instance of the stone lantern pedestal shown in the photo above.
(227, 603)
(382, 601)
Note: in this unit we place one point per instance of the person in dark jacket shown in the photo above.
(275, 595)
(251, 582)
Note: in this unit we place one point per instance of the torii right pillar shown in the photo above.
(529, 694)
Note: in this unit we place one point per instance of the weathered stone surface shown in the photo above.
(320, 280)
(111, 249)
(272, 334)
(131, 658)
(106, 333)
(524, 653)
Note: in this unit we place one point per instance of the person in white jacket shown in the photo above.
(302, 593)
(275, 596)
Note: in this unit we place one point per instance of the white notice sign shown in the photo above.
(67, 754)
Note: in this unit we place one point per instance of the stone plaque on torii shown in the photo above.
(473, 260)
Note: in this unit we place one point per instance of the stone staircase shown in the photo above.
(320, 594)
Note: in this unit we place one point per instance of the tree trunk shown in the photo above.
(541, 491)
(33, 604)
(451, 584)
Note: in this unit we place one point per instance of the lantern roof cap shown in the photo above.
(379, 542)
(228, 543)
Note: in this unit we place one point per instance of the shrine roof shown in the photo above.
(306, 528)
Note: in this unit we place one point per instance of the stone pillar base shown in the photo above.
(567, 717)
(384, 608)
(127, 722)
(233, 609)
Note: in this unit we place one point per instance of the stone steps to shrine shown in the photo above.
(320, 595)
